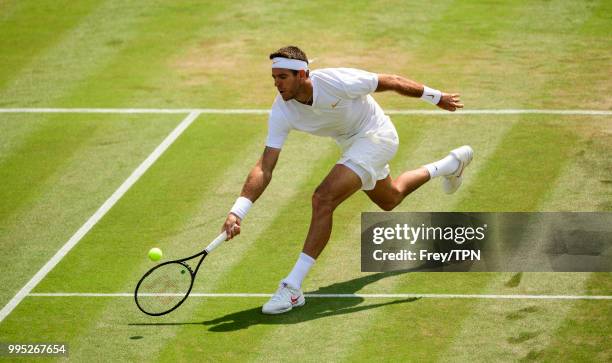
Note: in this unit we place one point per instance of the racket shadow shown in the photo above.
(315, 308)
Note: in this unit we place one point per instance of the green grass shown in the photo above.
(58, 175)
(57, 169)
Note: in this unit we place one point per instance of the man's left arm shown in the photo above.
(410, 88)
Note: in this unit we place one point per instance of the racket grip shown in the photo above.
(214, 244)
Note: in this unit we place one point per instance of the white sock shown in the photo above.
(445, 166)
(301, 268)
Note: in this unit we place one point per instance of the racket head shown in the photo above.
(164, 288)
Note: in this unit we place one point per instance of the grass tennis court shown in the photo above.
(57, 169)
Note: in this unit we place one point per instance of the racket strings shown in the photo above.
(164, 288)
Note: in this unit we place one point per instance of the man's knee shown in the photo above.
(322, 201)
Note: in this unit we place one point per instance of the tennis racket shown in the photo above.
(166, 286)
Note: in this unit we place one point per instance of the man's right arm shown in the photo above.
(257, 181)
(260, 174)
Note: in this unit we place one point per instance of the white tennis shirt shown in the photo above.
(342, 107)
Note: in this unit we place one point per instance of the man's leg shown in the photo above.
(339, 184)
(389, 192)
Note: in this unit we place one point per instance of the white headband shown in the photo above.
(286, 63)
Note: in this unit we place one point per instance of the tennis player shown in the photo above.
(337, 102)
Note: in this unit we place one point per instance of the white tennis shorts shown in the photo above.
(368, 153)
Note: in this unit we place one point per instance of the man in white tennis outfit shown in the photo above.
(336, 102)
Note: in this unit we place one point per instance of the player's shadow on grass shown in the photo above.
(315, 308)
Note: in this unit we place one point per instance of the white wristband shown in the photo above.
(431, 95)
(241, 207)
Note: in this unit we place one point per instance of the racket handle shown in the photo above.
(214, 244)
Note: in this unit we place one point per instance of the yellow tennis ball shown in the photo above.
(155, 254)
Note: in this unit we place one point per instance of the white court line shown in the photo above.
(383, 296)
(267, 111)
(110, 202)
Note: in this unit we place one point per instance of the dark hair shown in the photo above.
(290, 52)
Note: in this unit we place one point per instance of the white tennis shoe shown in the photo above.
(452, 182)
(285, 299)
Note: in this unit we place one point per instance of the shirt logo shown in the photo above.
(335, 104)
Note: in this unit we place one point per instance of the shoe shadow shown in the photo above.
(315, 308)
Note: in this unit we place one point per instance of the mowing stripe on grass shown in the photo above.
(80, 52)
(31, 28)
(582, 334)
(513, 330)
(584, 182)
(82, 176)
(512, 169)
(341, 296)
(140, 170)
(508, 331)
(25, 168)
(254, 111)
